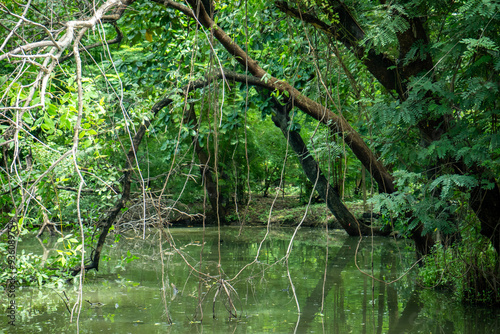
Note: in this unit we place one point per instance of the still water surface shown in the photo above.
(324, 270)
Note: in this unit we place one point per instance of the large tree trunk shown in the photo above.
(486, 205)
(313, 172)
(337, 122)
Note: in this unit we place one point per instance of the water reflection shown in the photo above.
(321, 276)
(373, 303)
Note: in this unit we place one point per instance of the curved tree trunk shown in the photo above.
(365, 155)
(337, 122)
(313, 172)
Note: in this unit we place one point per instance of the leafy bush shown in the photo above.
(469, 270)
(30, 270)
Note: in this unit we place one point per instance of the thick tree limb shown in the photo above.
(310, 107)
(337, 123)
(350, 34)
(484, 202)
(313, 172)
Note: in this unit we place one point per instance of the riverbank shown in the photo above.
(285, 211)
(279, 211)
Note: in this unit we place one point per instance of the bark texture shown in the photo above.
(338, 124)
(313, 172)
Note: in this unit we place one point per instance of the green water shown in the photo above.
(333, 295)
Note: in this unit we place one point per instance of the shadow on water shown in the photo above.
(334, 296)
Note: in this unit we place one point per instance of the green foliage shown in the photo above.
(71, 250)
(450, 182)
(469, 269)
(435, 204)
(383, 31)
(31, 270)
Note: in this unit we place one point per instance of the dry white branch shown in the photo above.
(56, 48)
(34, 63)
(6, 10)
(22, 108)
(26, 48)
(43, 55)
(49, 53)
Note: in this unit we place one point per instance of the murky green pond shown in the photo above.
(338, 283)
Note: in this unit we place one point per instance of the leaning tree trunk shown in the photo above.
(107, 222)
(486, 205)
(313, 172)
(126, 186)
